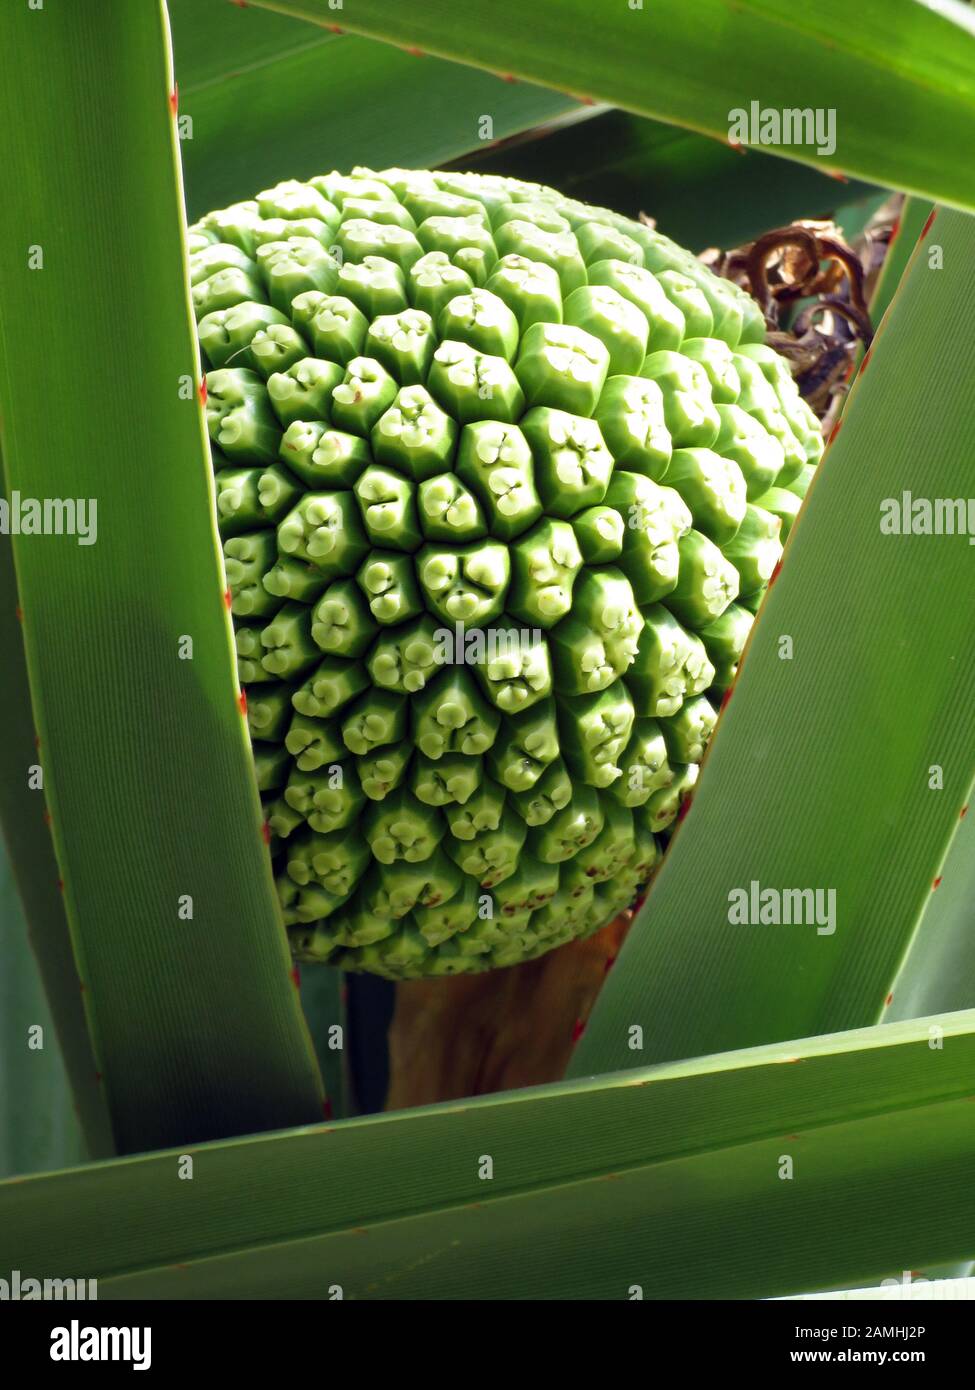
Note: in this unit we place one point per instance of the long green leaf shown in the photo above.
(38, 1127)
(265, 98)
(196, 1023)
(939, 972)
(897, 74)
(673, 1179)
(323, 1002)
(914, 216)
(858, 681)
(42, 942)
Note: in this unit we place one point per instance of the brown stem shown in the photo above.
(474, 1034)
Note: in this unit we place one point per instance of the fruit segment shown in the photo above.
(464, 584)
(613, 847)
(713, 489)
(239, 417)
(560, 250)
(490, 855)
(724, 640)
(481, 319)
(755, 549)
(325, 530)
(362, 395)
(434, 281)
(377, 718)
(631, 416)
(323, 457)
(247, 642)
(382, 770)
(514, 670)
(289, 648)
(441, 921)
(569, 830)
(336, 328)
(654, 518)
(527, 744)
(665, 322)
(530, 289)
(595, 730)
(341, 623)
(335, 861)
(400, 827)
(248, 497)
(268, 713)
(449, 780)
(448, 511)
(572, 463)
(313, 743)
(562, 366)
(757, 453)
(598, 640)
(682, 291)
(276, 348)
(376, 285)
(404, 658)
(451, 716)
(387, 504)
(783, 503)
(670, 663)
(717, 359)
(246, 560)
(707, 582)
(495, 461)
(551, 792)
(289, 267)
(327, 803)
(599, 533)
(404, 343)
(689, 411)
(471, 385)
(413, 435)
(644, 765)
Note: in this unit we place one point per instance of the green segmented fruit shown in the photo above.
(500, 481)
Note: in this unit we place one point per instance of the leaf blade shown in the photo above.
(668, 1179)
(196, 1025)
(897, 73)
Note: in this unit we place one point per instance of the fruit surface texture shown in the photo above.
(491, 475)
